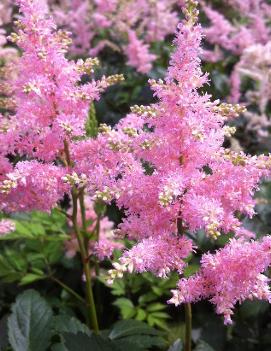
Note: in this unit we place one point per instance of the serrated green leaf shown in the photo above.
(83, 342)
(140, 314)
(143, 342)
(29, 325)
(126, 307)
(147, 298)
(160, 315)
(153, 307)
(154, 321)
(31, 278)
(131, 327)
(68, 324)
(157, 291)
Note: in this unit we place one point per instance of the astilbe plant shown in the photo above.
(50, 113)
(250, 26)
(131, 26)
(255, 65)
(242, 29)
(166, 166)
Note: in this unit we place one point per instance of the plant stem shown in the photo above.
(83, 217)
(68, 289)
(84, 257)
(188, 327)
(92, 316)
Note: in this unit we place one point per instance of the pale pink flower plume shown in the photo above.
(138, 54)
(151, 20)
(6, 226)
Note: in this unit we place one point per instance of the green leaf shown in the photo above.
(150, 296)
(68, 324)
(83, 342)
(118, 288)
(160, 315)
(143, 342)
(130, 327)
(92, 124)
(140, 314)
(155, 307)
(124, 345)
(29, 325)
(156, 321)
(157, 291)
(252, 309)
(126, 307)
(31, 278)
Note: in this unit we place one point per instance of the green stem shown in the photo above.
(84, 257)
(68, 289)
(92, 316)
(97, 268)
(84, 218)
(188, 327)
(83, 211)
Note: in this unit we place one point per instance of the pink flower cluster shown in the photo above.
(164, 164)
(51, 108)
(172, 164)
(235, 36)
(160, 255)
(229, 276)
(6, 226)
(131, 26)
(254, 64)
(181, 179)
(245, 33)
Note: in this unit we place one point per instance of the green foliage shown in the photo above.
(125, 335)
(92, 123)
(147, 291)
(34, 326)
(29, 323)
(35, 246)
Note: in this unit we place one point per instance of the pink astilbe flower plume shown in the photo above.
(138, 54)
(242, 33)
(193, 177)
(229, 276)
(131, 26)
(173, 176)
(6, 226)
(159, 255)
(51, 107)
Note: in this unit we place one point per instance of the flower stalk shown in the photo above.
(91, 308)
(188, 327)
